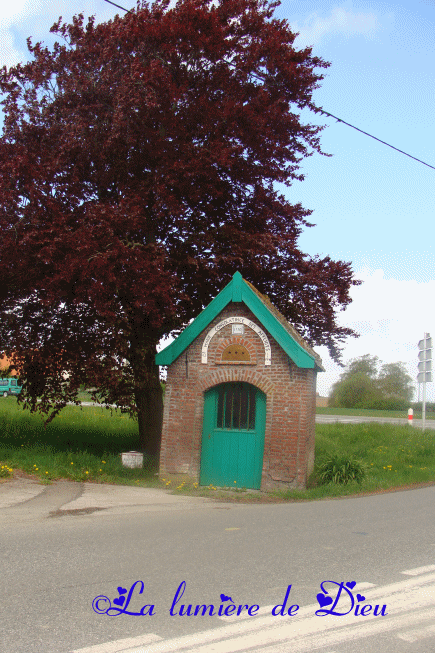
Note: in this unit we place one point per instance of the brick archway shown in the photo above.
(239, 373)
(235, 340)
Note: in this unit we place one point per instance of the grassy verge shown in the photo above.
(81, 444)
(394, 456)
(365, 412)
(84, 445)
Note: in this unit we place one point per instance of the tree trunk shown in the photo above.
(149, 402)
(147, 392)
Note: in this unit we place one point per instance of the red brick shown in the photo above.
(290, 404)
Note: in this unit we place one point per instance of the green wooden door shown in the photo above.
(233, 436)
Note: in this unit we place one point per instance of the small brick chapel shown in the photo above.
(240, 396)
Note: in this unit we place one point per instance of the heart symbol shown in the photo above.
(120, 600)
(121, 590)
(360, 597)
(323, 600)
(351, 585)
(226, 598)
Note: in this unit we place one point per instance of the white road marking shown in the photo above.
(341, 635)
(268, 608)
(120, 644)
(417, 633)
(408, 603)
(419, 570)
(286, 638)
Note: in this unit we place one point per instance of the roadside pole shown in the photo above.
(423, 411)
(424, 369)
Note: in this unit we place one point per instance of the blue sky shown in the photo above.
(371, 205)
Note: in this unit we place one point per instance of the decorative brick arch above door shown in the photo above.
(242, 373)
(237, 342)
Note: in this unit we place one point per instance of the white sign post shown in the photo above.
(424, 368)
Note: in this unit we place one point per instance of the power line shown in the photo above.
(326, 113)
(376, 139)
(119, 6)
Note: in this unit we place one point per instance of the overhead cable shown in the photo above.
(326, 113)
(376, 139)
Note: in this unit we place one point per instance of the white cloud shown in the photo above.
(22, 18)
(340, 21)
(12, 13)
(391, 317)
(9, 55)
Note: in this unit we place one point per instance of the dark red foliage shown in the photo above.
(137, 170)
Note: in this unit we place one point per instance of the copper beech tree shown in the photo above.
(138, 169)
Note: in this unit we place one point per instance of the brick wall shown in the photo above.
(290, 403)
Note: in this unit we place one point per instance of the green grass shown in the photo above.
(84, 396)
(84, 444)
(393, 456)
(365, 412)
(79, 444)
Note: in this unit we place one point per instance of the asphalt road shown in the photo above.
(350, 419)
(63, 547)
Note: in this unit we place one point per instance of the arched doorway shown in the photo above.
(233, 436)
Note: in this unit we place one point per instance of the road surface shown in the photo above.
(65, 546)
(351, 419)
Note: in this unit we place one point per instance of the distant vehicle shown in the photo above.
(9, 387)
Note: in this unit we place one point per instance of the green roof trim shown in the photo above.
(239, 290)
